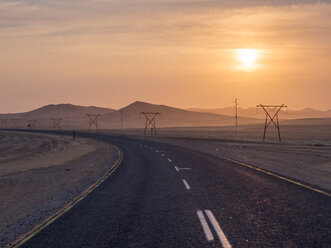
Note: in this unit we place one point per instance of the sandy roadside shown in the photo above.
(41, 173)
(24, 151)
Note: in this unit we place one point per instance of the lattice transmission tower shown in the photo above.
(150, 121)
(93, 121)
(56, 123)
(272, 112)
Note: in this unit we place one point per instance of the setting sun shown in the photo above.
(247, 57)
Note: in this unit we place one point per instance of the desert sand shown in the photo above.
(40, 173)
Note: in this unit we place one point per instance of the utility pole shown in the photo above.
(236, 115)
(121, 122)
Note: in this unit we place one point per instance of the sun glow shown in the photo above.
(247, 57)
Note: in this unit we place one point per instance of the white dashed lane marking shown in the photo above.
(186, 184)
(178, 168)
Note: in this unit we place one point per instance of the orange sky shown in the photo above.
(176, 52)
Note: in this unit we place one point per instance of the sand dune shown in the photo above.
(25, 152)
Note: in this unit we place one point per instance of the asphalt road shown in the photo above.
(167, 196)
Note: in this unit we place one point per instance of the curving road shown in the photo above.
(168, 196)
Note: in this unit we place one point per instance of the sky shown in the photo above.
(182, 53)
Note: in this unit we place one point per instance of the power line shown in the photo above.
(236, 115)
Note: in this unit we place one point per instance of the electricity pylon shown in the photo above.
(271, 118)
(150, 121)
(93, 121)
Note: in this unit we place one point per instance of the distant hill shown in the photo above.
(170, 117)
(41, 117)
(254, 113)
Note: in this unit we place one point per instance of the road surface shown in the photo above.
(168, 196)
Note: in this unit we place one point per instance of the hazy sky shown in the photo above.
(182, 53)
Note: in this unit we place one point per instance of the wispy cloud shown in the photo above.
(122, 44)
(200, 18)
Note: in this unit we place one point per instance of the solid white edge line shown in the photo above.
(186, 184)
(218, 229)
(176, 168)
(205, 226)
